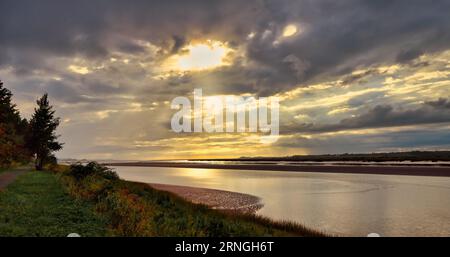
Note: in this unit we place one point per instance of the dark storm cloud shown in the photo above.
(52, 26)
(120, 84)
(422, 139)
(440, 103)
(408, 55)
(383, 116)
(361, 77)
(336, 36)
(130, 47)
(178, 43)
(92, 27)
(341, 35)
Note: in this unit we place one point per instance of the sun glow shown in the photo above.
(289, 30)
(202, 56)
(78, 69)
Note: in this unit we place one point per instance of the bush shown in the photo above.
(91, 181)
(130, 215)
(80, 171)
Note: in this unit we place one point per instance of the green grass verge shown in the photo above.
(3, 169)
(136, 209)
(13, 166)
(36, 204)
(92, 201)
(173, 216)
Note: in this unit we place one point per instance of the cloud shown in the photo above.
(384, 116)
(381, 141)
(299, 67)
(350, 34)
(408, 55)
(332, 40)
(178, 43)
(106, 58)
(441, 103)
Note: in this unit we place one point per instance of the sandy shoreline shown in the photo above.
(442, 171)
(215, 199)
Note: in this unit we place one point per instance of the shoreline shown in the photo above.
(213, 198)
(437, 171)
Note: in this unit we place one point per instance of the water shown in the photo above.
(341, 204)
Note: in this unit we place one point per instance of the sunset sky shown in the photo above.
(352, 76)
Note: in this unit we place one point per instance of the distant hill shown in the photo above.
(413, 156)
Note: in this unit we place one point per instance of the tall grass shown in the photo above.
(11, 166)
(36, 204)
(136, 209)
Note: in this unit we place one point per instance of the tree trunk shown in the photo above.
(38, 164)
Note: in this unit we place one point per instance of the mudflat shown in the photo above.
(215, 199)
(429, 170)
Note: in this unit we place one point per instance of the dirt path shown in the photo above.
(8, 177)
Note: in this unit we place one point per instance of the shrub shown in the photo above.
(80, 171)
(130, 215)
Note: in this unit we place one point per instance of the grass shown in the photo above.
(92, 201)
(136, 209)
(157, 213)
(5, 169)
(36, 204)
(12, 166)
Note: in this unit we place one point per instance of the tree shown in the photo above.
(8, 111)
(42, 140)
(12, 131)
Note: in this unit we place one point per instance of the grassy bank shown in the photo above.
(13, 166)
(92, 201)
(136, 209)
(5, 169)
(36, 204)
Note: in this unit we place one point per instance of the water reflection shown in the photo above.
(346, 204)
(198, 173)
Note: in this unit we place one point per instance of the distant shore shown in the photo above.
(441, 171)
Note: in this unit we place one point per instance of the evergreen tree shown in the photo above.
(42, 139)
(12, 131)
(8, 111)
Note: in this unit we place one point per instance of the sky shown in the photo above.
(351, 75)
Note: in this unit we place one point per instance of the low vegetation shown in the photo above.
(91, 200)
(36, 204)
(136, 209)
